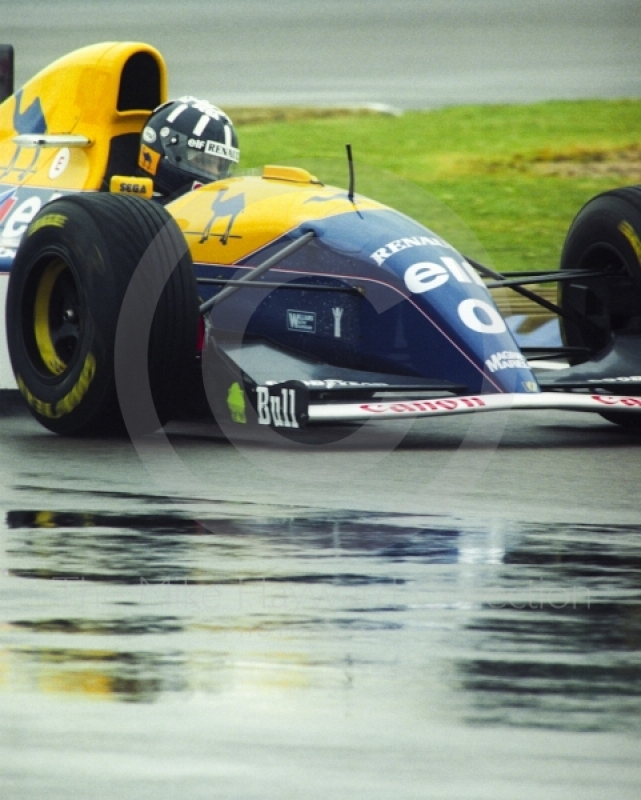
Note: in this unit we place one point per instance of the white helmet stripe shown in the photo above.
(200, 126)
(177, 112)
(227, 135)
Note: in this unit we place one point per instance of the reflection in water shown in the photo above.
(531, 626)
(102, 674)
(554, 655)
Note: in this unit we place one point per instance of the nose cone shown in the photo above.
(448, 292)
(447, 324)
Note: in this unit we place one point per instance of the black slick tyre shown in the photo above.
(605, 237)
(102, 315)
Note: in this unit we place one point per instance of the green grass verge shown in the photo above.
(503, 182)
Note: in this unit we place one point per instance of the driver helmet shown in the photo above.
(187, 141)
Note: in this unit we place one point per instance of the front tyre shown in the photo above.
(66, 291)
(605, 237)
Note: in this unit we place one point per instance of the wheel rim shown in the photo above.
(613, 297)
(56, 317)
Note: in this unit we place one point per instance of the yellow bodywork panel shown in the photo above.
(90, 98)
(229, 220)
(294, 174)
(78, 94)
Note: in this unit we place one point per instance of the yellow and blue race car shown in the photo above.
(269, 300)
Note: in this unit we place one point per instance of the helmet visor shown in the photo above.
(208, 166)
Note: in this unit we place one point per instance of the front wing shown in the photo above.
(315, 393)
(430, 407)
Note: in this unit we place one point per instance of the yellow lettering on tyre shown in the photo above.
(70, 401)
(49, 220)
(73, 399)
(39, 406)
(631, 235)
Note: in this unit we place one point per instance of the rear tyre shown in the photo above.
(605, 236)
(69, 342)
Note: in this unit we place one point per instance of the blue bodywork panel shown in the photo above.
(423, 310)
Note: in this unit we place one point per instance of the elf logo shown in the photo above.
(7, 202)
(18, 212)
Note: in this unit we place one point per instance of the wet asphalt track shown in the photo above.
(531, 466)
(453, 612)
(440, 618)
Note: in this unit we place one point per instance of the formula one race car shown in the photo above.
(269, 300)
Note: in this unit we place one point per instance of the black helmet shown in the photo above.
(187, 140)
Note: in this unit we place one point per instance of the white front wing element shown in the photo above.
(360, 412)
(7, 381)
